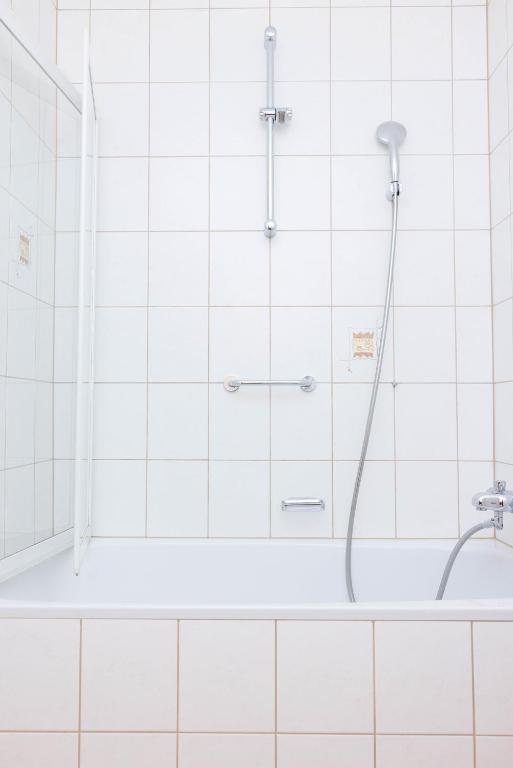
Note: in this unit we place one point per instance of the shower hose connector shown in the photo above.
(497, 500)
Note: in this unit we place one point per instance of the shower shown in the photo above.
(391, 135)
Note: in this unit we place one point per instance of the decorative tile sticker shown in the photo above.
(23, 249)
(363, 343)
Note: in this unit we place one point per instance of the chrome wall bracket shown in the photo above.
(271, 115)
(233, 383)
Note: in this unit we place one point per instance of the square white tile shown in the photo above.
(221, 750)
(474, 343)
(423, 677)
(127, 750)
(239, 344)
(236, 199)
(124, 110)
(493, 680)
(300, 269)
(426, 520)
(428, 751)
(121, 344)
(189, 134)
(177, 421)
(115, 437)
(475, 422)
(178, 193)
(119, 498)
(179, 46)
(424, 344)
(129, 675)
(301, 343)
(247, 134)
(494, 750)
(120, 45)
(239, 269)
(239, 499)
(227, 676)
(360, 44)
(177, 498)
(37, 656)
(239, 423)
(178, 344)
(325, 677)
(425, 421)
(301, 423)
(178, 269)
(416, 33)
(46, 750)
(469, 43)
(122, 269)
(424, 273)
(306, 751)
(123, 186)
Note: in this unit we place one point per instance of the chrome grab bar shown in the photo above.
(271, 115)
(233, 384)
(301, 505)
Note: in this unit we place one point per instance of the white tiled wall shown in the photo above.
(500, 61)
(262, 694)
(191, 291)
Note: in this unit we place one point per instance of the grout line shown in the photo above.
(332, 334)
(472, 663)
(454, 275)
(209, 281)
(276, 694)
(374, 720)
(148, 256)
(490, 240)
(80, 692)
(178, 626)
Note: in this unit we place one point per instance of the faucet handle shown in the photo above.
(497, 498)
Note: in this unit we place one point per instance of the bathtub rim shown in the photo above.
(451, 610)
(482, 609)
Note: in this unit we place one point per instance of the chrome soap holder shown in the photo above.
(233, 383)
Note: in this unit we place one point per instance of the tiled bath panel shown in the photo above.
(263, 694)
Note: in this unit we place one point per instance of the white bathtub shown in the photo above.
(265, 579)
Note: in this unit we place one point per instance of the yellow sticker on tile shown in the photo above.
(363, 343)
(24, 249)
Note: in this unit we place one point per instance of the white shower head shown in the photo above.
(392, 135)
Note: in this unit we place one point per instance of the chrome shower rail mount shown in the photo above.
(271, 114)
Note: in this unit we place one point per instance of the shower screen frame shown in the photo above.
(85, 357)
(42, 550)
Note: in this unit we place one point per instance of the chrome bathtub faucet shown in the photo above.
(496, 499)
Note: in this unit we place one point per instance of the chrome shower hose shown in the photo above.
(374, 394)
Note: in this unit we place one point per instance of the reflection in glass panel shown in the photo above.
(39, 221)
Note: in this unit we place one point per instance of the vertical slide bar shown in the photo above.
(272, 115)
